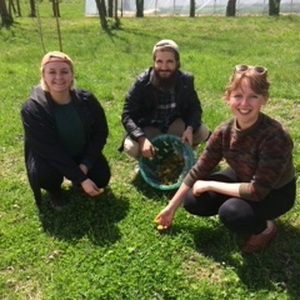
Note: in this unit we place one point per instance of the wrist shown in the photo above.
(82, 182)
(189, 128)
(141, 140)
(173, 205)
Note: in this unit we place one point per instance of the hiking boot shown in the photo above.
(256, 242)
(57, 201)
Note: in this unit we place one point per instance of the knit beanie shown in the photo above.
(166, 45)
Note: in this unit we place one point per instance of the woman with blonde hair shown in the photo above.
(258, 184)
(65, 132)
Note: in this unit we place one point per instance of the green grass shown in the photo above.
(108, 247)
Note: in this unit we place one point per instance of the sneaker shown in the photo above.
(258, 241)
(57, 201)
(137, 169)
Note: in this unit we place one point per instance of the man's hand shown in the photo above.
(187, 136)
(146, 148)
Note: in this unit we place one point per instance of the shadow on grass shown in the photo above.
(276, 268)
(85, 217)
(150, 192)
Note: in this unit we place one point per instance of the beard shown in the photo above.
(163, 83)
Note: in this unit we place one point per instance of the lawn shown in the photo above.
(107, 247)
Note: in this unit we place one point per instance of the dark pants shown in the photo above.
(50, 179)
(237, 214)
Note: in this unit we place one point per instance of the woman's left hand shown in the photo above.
(90, 188)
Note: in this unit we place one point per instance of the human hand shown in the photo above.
(90, 188)
(83, 168)
(165, 217)
(187, 136)
(146, 148)
(200, 186)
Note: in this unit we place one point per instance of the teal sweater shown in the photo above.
(261, 156)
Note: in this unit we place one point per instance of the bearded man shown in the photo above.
(162, 100)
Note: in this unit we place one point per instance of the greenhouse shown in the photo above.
(203, 7)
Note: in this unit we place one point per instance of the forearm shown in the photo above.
(176, 201)
(230, 189)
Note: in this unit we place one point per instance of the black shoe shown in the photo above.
(57, 201)
(76, 187)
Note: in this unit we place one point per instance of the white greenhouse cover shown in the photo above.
(182, 7)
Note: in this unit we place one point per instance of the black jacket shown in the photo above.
(142, 98)
(41, 138)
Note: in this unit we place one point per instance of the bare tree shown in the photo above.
(32, 9)
(40, 29)
(110, 4)
(192, 8)
(117, 20)
(6, 18)
(18, 8)
(11, 7)
(55, 8)
(139, 8)
(58, 29)
(231, 8)
(102, 14)
(274, 7)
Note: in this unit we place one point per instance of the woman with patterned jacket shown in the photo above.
(259, 183)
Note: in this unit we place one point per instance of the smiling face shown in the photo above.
(165, 64)
(58, 77)
(245, 104)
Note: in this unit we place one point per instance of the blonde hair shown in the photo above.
(55, 56)
(259, 82)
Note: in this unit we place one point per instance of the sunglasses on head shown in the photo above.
(163, 45)
(58, 56)
(257, 69)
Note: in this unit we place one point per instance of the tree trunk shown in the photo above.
(18, 8)
(11, 7)
(192, 8)
(32, 9)
(110, 8)
(6, 18)
(102, 15)
(139, 8)
(55, 8)
(231, 8)
(117, 20)
(274, 7)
